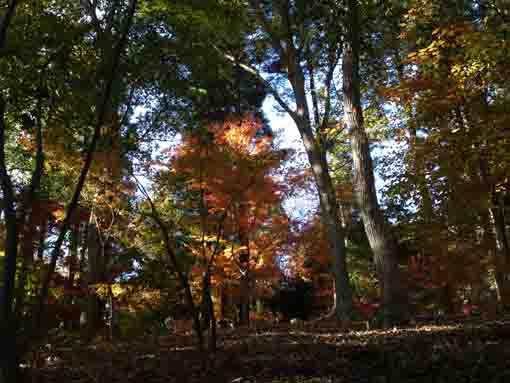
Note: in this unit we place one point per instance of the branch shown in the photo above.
(173, 259)
(255, 73)
(313, 91)
(39, 157)
(329, 78)
(6, 21)
(129, 103)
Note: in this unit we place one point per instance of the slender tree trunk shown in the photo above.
(182, 279)
(327, 196)
(244, 262)
(244, 304)
(376, 228)
(222, 301)
(208, 308)
(73, 262)
(41, 246)
(94, 255)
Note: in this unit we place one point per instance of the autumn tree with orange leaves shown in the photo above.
(223, 180)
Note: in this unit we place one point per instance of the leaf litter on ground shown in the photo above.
(456, 352)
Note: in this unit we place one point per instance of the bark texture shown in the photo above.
(378, 232)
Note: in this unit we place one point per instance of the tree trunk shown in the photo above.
(7, 321)
(73, 261)
(330, 216)
(378, 232)
(221, 301)
(502, 250)
(41, 243)
(328, 202)
(291, 56)
(9, 364)
(27, 251)
(244, 263)
(94, 256)
(208, 310)
(244, 303)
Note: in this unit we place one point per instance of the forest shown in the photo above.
(159, 224)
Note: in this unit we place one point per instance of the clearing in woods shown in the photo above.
(451, 352)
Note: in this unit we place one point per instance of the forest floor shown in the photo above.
(455, 352)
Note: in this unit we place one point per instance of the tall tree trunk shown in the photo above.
(378, 232)
(7, 320)
(8, 350)
(330, 215)
(292, 58)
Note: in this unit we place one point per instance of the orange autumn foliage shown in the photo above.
(230, 169)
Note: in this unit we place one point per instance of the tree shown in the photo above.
(451, 112)
(381, 241)
(9, 366)
(222, 178)
(299, 42)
